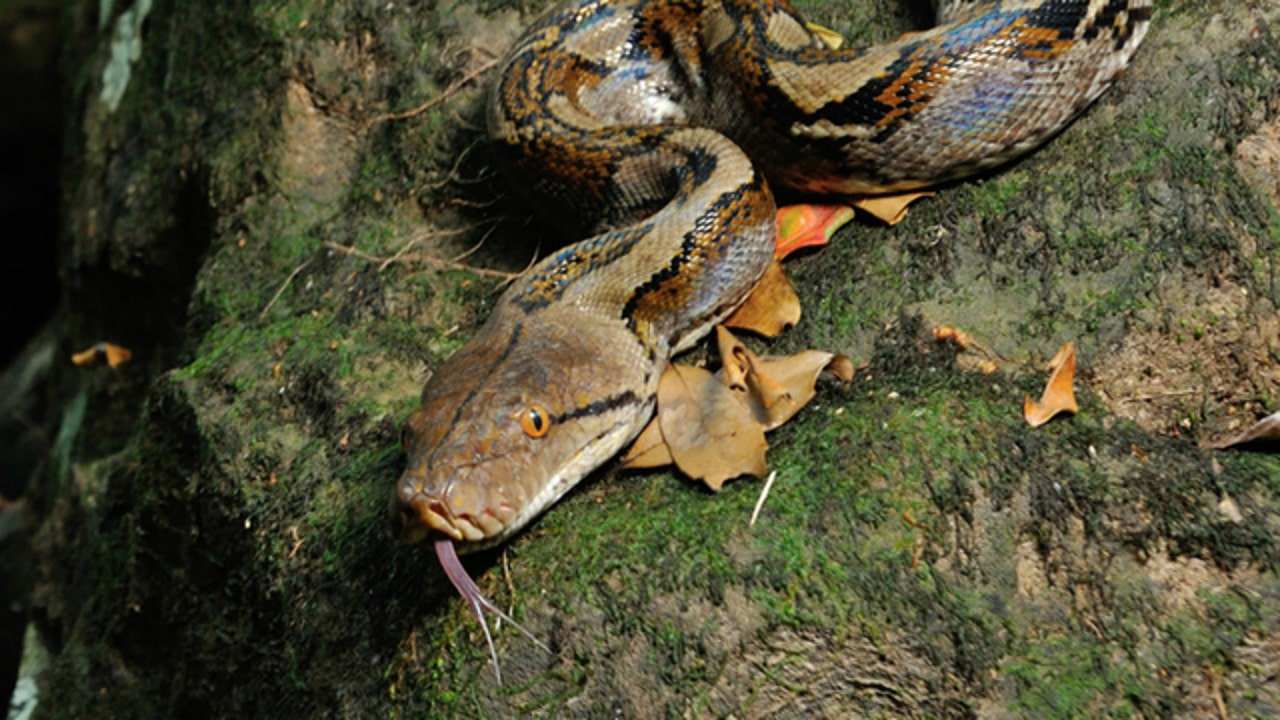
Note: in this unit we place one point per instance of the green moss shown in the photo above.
(1212, 634)
(991, 199)
(287, 19)
(1071, 676)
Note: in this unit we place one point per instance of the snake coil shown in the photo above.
(656, 123)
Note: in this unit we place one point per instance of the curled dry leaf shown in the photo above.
(948, 333)
(772, 306)
(735, 360)
(1059, 394)
(889, 209)
(712, 426)
(104, 352)
(776, 388)
(1262, 435)
(799, 375)
(743, 372)
(963, 340)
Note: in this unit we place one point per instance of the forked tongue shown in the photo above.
(479, 603)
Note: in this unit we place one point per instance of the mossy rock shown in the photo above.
(271, 218)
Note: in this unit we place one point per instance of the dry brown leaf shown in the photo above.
(648, 451)
(735, 359)
(772, 306)
(712, 426)
(104, 352)
(741, 372)
(1066, 354)
(949, 333)
(86, 358)
(740, 368)
(776, 388)
(1059, 394)
(766, 394)
(798, 376)
(889, 209)
(1264, 434)
(709, 431)
(965, 341)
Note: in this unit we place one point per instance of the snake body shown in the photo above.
(657, 122)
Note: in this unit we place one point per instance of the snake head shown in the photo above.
(509, 424)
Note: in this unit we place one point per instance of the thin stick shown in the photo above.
(452, 175)
(283, 287)
(395, 258)
(424, 258)
(532, 261)
(474, 248)
(444, 95)
(352, 251)
(764, 493)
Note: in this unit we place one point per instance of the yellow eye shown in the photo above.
(535, 421)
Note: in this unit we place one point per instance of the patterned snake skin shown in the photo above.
(657, 122)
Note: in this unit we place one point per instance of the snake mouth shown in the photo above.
(421, 515)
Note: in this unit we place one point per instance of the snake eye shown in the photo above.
(535, 421)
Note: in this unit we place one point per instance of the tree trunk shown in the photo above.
(265, 202)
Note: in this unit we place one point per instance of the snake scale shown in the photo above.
(660, 126)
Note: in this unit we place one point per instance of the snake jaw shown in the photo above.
(420, 513)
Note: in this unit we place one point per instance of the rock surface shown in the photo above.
(272, 219)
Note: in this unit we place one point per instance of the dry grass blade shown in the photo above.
(764, 494)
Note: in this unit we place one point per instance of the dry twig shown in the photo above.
(402, 256)
(283, 287)
(454, 87)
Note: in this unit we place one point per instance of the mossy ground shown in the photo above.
(922, 552)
